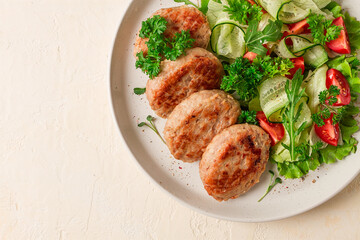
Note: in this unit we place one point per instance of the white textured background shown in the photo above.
(63, 171)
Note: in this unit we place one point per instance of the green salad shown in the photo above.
(291, 64)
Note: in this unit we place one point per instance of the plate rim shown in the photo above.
(173, 196)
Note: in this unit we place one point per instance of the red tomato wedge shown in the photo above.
(341, 44)
(299, 27)
(335, 77)
(299, 63)
(275, 130)
(251, 56)
(329, 133)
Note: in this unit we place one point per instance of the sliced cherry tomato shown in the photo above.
(275, 130)
(299, 63)
(251, 56)
(329, 133)
(341, 44)
(299, 27)
(335, 77)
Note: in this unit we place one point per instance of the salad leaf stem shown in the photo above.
(291, 115)
(152, 126)
(272, 184)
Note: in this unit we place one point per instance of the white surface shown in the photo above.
(182, 180)
(64, 173)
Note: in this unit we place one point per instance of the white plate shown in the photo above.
(182, 180)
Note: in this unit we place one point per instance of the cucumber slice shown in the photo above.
(215, 11)
(273, 97)
(273, 7)
(227, 39)
(322, 3)
(291, 13)
(301, 43)
(316, 84)
(227, 36)
(316, 56)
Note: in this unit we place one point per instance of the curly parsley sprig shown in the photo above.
(160, 47)
(244, 77)
(327, 98)
(322, 30)
(248, 117)
(242, 11)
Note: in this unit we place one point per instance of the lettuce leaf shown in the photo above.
(299, 168)
(348, 126)
(353, 29)
(328, 155)
(348, 67)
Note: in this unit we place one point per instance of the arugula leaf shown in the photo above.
(291, 115)
(139, 91)
(244, 77)
(248, 117)
(243, 12)
(152, 126)
(255, 39)
(353, 30)
(322, 30)
(271, 185)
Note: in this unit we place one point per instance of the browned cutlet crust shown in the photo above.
(234, 161)
(195, 121)
(181, 18)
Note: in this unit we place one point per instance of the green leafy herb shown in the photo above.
(203, 7)
(243, 12)
(244, 77)
(353, 29)
(154, 25)
(327, 98)
(139, 91)
(272, 67)
(255, 39)
(151, 125)
(322, 30)
(248, 117)
(272, 184)
(348, 126)
(291, 115)
(304, 150)
(149, 64)
(159, 46)
(179, 44)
